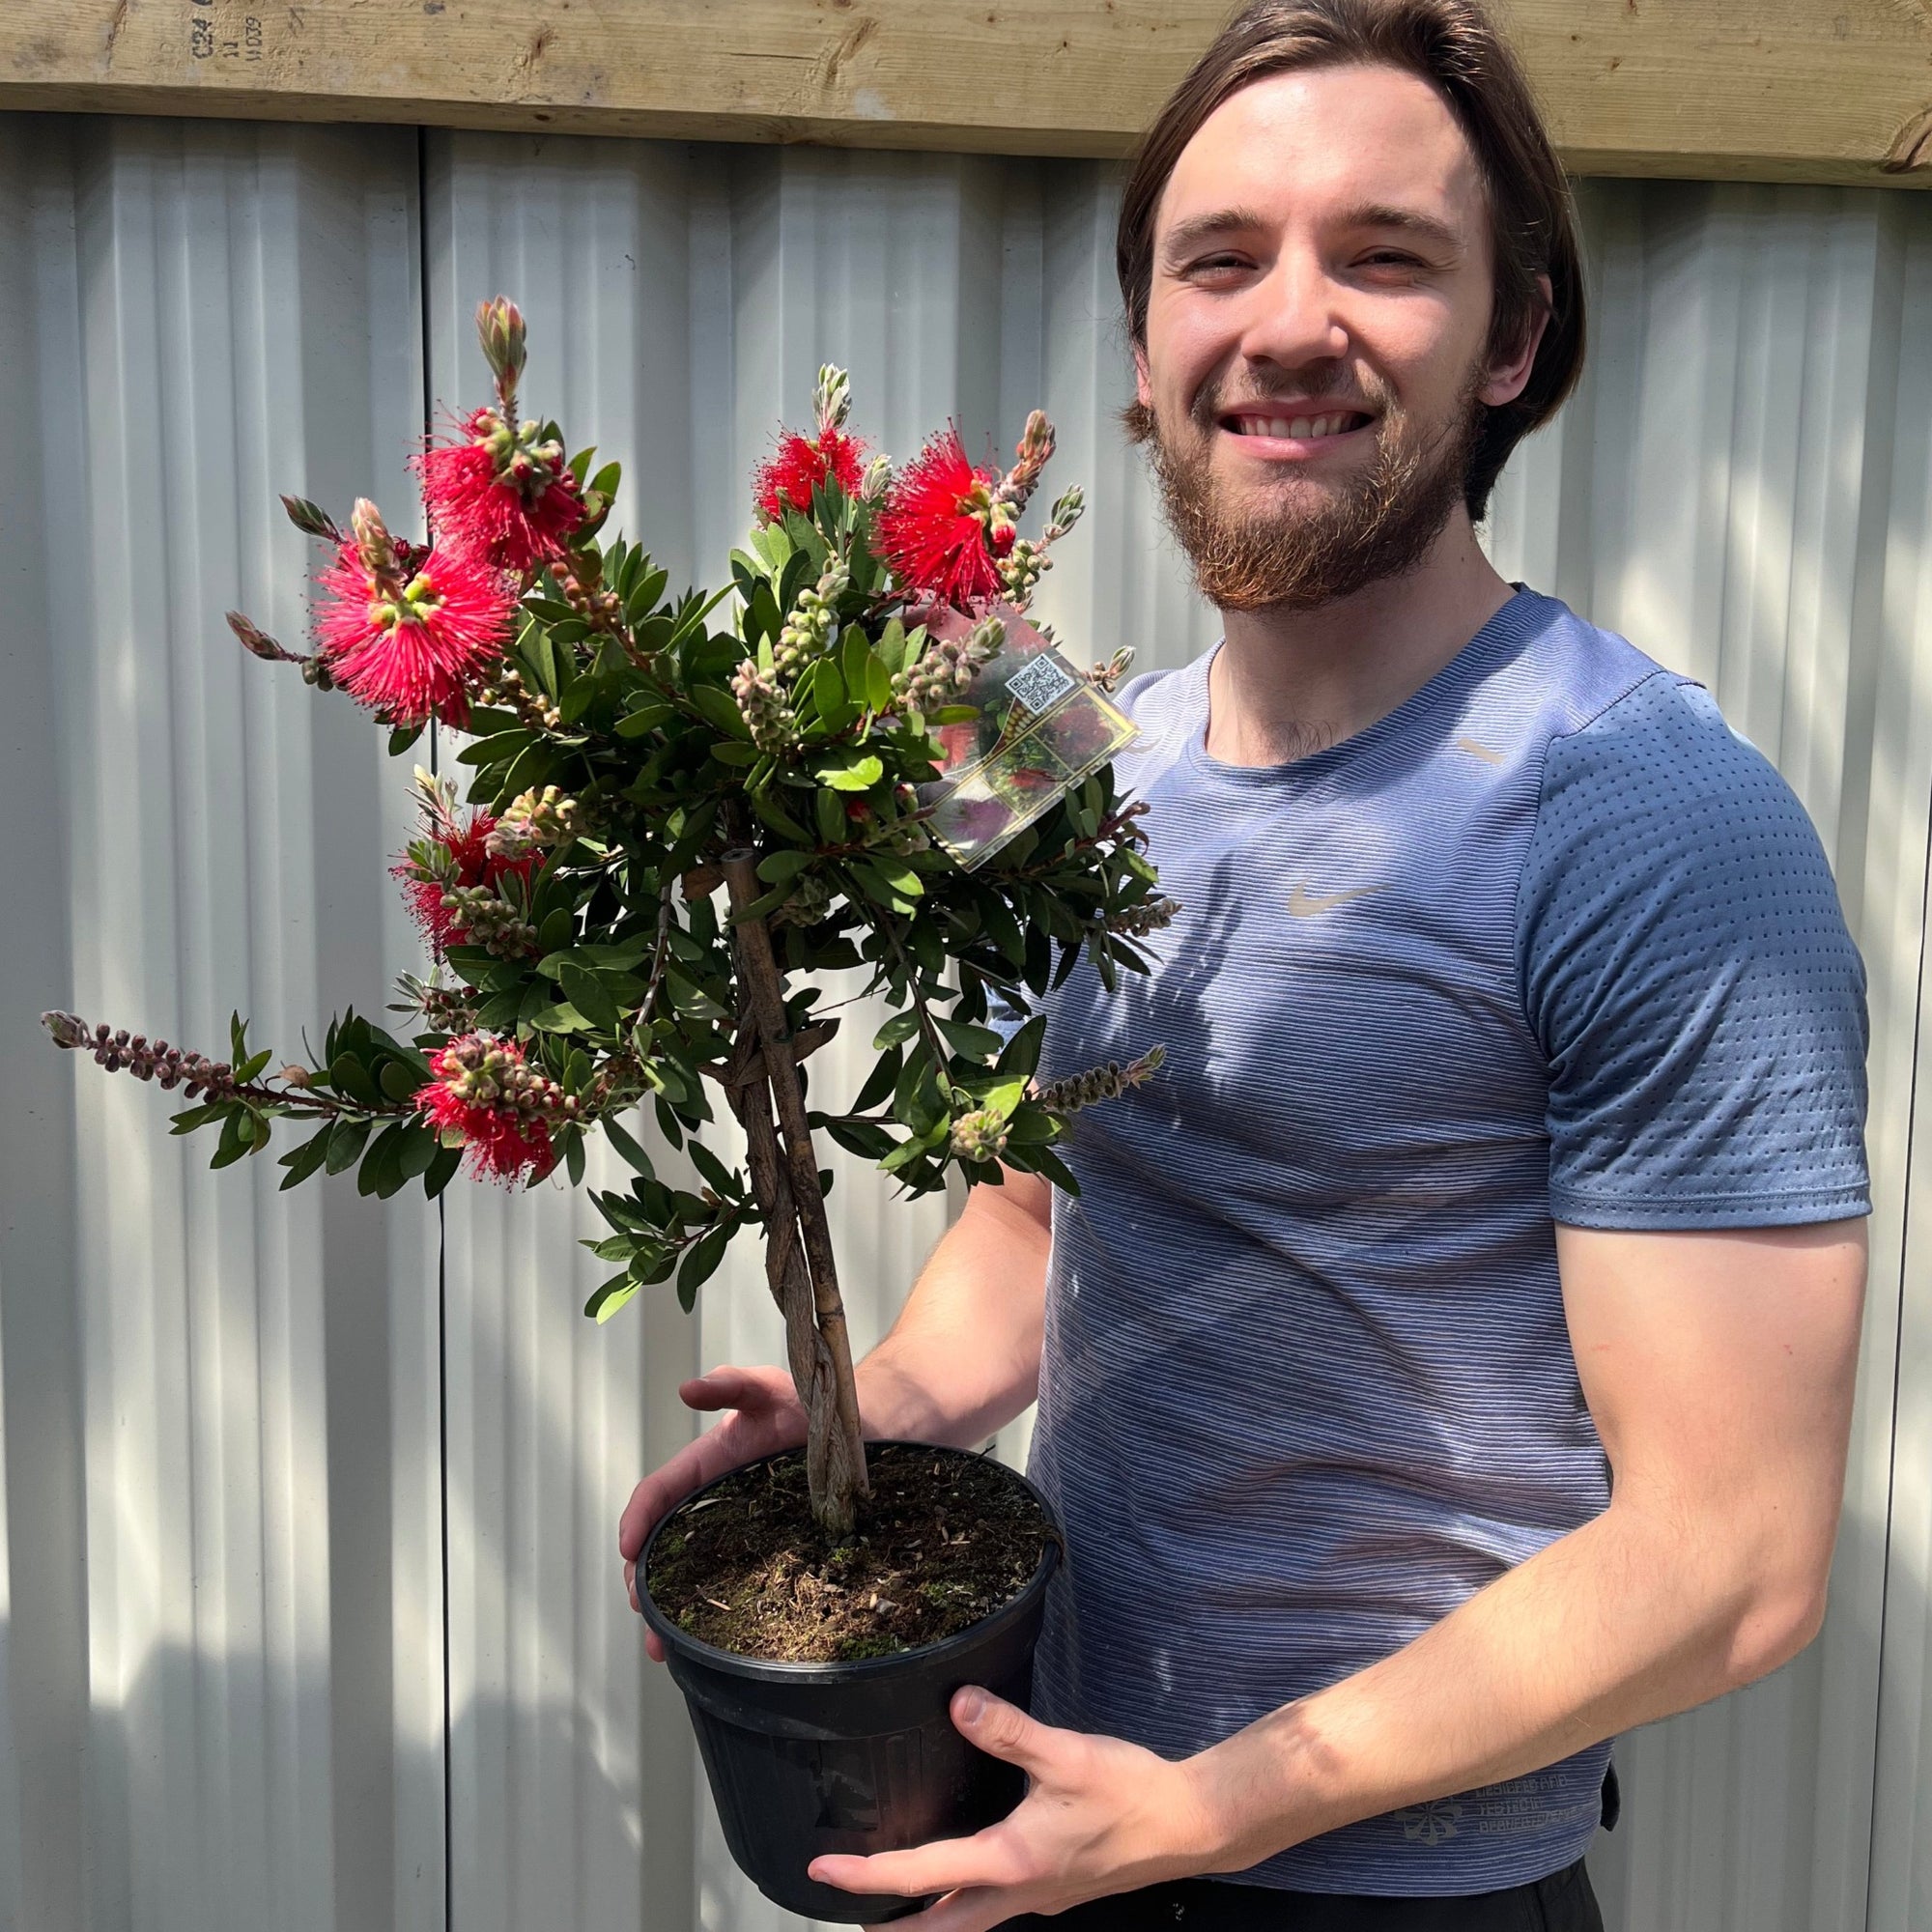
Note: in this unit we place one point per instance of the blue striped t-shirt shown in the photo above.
(1548, 942)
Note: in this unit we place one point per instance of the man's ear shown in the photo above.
(1143, 390)
(1507, 379)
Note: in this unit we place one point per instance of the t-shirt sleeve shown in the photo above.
(1687, 968)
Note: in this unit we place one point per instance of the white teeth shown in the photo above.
(1305, 427)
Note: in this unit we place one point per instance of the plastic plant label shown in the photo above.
(1042, 727)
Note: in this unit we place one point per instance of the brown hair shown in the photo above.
(1453, 46)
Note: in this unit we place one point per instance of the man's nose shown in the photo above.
(1291, 314)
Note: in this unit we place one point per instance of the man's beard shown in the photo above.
(1281, 557)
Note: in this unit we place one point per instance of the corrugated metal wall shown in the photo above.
(232, 1480)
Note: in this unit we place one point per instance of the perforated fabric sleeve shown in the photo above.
(1687, 968)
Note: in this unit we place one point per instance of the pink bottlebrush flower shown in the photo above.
(497, 490)
(800, 465)
(471, 864)
(943, 527)
(488, 1094)
(410, 648)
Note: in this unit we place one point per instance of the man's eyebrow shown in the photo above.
(1406, 221)
(1198, 228)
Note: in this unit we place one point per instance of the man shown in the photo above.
(1448, 1362)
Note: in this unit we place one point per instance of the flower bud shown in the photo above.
(832, 398)
(374, 543)
(311, 520)
(500, 328)
(979, 1136)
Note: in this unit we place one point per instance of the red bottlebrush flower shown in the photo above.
(471, 864)
(801, 464)
(410, 649)
(502, 1106)
(942, 527)
(496, 491)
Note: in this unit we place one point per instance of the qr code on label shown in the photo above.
(1040, 684)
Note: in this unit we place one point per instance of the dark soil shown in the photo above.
(945, 1539)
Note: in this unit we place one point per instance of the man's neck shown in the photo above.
(1286, 683)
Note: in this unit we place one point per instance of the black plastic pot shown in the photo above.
(810, 1758)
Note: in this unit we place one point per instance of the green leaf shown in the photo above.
(303, 1161)
(494, 750)
(441, 1171)
(829, 809)
(850, 771)
(418, 1152)
(735, 752)
(236, 1139)
(345, 1144)
(777, 817)
(606, 1301)
(398, 1081)
(647, 717)
(718, 707)
(975, 1042)
(864, 1138)
(1021, 1053)
(1043, 1160)
(902, 1155)
(828, 690)
(591, 997)
(381, 1172)
(855, 659)
(1001, 927)
(880, 1082)
(573, 1156)
(712, 1169)
(898, 875)
(777, 868)
(628, 1148)
(901, 1026)
(700, 1263)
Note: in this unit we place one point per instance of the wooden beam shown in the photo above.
(1789, 90)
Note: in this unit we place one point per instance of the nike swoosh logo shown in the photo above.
(1302, 905)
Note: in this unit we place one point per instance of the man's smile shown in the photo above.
(1295, 430)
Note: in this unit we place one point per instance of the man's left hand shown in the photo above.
(1101, 1816)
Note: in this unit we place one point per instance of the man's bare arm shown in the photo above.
(963, 1357)
(1719, 1369)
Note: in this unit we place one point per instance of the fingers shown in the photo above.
(987, 1858)
(748, 1392)
(1003, 1730)
(727, 1387)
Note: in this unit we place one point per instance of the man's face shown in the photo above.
(1317, 329)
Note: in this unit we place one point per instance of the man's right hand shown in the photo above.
(765, 1416)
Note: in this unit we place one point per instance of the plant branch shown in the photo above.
(764, 990)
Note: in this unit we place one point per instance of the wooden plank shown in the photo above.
(1788, 90)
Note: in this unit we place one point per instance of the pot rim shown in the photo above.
(860, 1669)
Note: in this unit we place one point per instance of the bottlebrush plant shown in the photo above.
(631, 758)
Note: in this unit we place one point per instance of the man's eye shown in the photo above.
(1210, 262)
(1392, 258)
